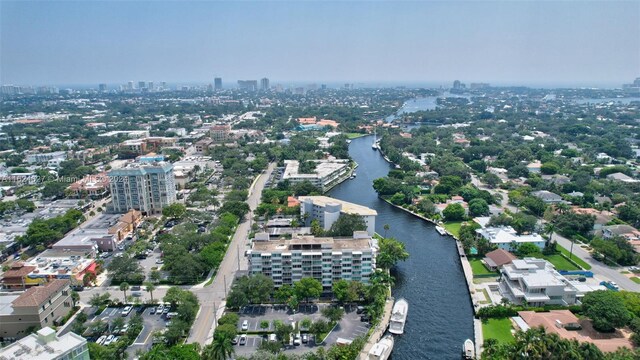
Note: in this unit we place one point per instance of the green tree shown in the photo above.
(606, 310)
(347, 224)
(174, 211)
(124, 286)
(333, 314)
(478, 207)
(391, 251)
(454, 212)
(308, 288)
(150, 288)
(528, 250)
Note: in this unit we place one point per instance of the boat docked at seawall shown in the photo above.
(468, 350)
(382, 349)
(441, 230)
(399, 317)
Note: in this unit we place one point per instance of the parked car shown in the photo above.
(359, 309)
(160, 309)
(245, 325)
(273, 337)
(101, 339)
(243, 339)
(166, 310)
(126, 310)
(296, 340)
(234, 341)
(152, 311)
(305, 338)
(159, 261)
(109, 340)
(124, 329)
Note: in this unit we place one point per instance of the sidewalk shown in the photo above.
(379, 330)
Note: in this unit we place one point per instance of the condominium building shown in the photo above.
(38, 158)
(220, 133)
(327, 210)
(536, 283)
(37, 307)
(325, 259)
(327, 174)
(47, 345)
(144, 186)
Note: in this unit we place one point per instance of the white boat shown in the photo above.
(353, 176)
(382, 349)
(399, 316)
(468, 350)
(374, 146)
(441, 230)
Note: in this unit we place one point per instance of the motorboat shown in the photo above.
(382, 349)
(468, 350)
(399, 316)
(441, 230)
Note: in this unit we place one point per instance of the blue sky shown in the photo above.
(508, 42)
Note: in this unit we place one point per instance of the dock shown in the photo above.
(379, 330)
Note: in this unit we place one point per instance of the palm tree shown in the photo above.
(220, 349)
(124, 286)
(150, 287)
(386, 228)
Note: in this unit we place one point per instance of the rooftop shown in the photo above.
(347, 207)
(323, 168)
(44, 345)
(315, 243)
(35, 296)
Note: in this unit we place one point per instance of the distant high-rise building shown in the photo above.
(130, 85)
(323, 86)
(102, 87)
(217, 83)
(251, 85)
(150, 86)
(142, 85)
(164, 85)
(635, 86)
(457, 84)
(264, 84)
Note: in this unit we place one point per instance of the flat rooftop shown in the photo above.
(323, 168)
(347, 207)
(311, 243)
(6, 301)
(41, 349)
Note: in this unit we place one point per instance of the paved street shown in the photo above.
(601, 270)
(212, 296)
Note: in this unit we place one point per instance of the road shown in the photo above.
(601, 270)
(212, 296)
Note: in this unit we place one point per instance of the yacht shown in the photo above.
(374, 146)
(468, 350)
(441, 230)
(382, 349)
(399, 316)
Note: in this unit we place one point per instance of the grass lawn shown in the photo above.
(478, 267)
(453, 227)
(499, 329)
(576, 259)
(635, 279)
(354, 135)
(560, 262)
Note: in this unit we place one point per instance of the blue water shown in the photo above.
(440, 310)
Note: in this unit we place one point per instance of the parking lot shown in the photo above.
(349, 327)
(151, 323)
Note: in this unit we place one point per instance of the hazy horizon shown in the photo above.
(536, 44)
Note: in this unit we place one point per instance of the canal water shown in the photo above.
(440, 310)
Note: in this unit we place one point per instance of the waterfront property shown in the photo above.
(495, 259)
(46, 345)
(327, 210)
(326, 175)
(143, 186)
(37, 307)
(537, 283)
(325, 259)
(507, 238)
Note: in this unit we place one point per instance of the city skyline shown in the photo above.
(566, 43)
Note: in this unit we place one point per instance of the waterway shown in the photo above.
(440, 310)
(421, 104)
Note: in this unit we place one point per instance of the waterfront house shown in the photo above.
(495, 259)
(536, 283)
(506, 238)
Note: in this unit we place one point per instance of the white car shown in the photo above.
(126, 310)
(296, 340)
(109, 340)
(614, 285)
(101, 339)
(245, 325)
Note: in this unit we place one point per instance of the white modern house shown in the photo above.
(536, 283)
(506, 238)
(327, 210)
